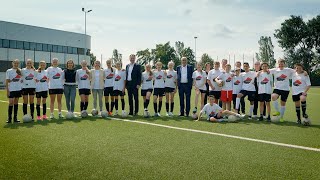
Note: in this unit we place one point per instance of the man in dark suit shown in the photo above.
(133, 77)
(184, 72)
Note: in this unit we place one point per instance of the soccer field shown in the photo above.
(160, 148)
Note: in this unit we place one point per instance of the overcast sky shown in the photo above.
(224, 27)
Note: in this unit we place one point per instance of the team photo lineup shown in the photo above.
(220, 91)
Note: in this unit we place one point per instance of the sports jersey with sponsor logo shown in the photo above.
(109, 74)
(200, 79)
(212, 75)
(248, 80)
(15, 80)
(55, 76)
(28, 76)
(147, 81)
(83, 79)
(264, 81)
(299, 83)
(171, 78)
(281, 78)
(227, 81)
(119, 79)
(211, 110)
(42, 84)
(237, 84)
(158, 79)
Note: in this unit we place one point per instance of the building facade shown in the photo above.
(19, 41)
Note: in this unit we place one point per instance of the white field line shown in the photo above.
(210, 133)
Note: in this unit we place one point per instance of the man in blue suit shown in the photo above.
(184, 72)
(133, 77)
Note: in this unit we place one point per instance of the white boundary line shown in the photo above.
(210, 133)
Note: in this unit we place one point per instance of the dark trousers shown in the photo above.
(242, 103)
(256, 105)
(207, 94)
(133, 93)
(184, 94)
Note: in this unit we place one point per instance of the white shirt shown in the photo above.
(55, 76)
(200, 79)
(248, 81)
(158, 79)
(237, 84)
(130, 71)
(42, 77)
(83, 79)
(299, 83)
(184, 74)
(108, 82)
(28, 76)
(281, 78)
(147, 81)
(96, 83)
(227, 79)
(212, 75)
(211, 110)
(171, 79)
(15, 84)
(264, 81)
(119, 79)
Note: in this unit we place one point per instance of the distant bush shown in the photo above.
(315, 77)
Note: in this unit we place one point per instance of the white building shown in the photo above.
(19, 41)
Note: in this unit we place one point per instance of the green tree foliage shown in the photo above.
(93, 58)
(205, 58)
(116, 56)
(266, 53)
(144, 57)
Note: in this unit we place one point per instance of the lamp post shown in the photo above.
(85, 30)
(195, 48)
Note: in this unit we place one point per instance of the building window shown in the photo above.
(32, 46)
(39, 47)
(60, 49)
(44, 47)
(74, 50)
(54, 48)
(19, 44)
(5, 43)
(49, 48)
(81, 51)
(26, 45)
(13, 44)
(1, 43)
(69, 50)
(65, 49)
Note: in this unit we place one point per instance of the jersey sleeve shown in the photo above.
(193, 75)
(308, 82)
(7, 74)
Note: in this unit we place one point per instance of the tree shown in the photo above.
(93, 58)
(181, 51)
(205, 58)
(116, 56)
(266, 53)
(163, 53)
(144, 57)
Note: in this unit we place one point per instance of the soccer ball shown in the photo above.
(94, 112)
(27, 118)
(232, 118)
(124, 114)
(306, 121)
(104, 114)
(194, 116)
(84, 114)
(69, 115)
(275, 119)
(146, 114)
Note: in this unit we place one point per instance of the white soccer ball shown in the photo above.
(27, 118)
(146, 114)
(84, 114)
(306, 121)
(233, 118)
(275, 119)
(69, 115)
(94, 112)
(124, 114)
(194, 116)
(104, 114)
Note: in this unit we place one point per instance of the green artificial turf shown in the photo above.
(95, 148)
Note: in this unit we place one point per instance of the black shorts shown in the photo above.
(144, 91)
(42, 94)
(296, 98)
(118, 93)
(284, 94)
(169, 90)
(216, 94)
(159, 92)
(55, 91)
(215, 116)
(14, 94)
(264, 97)
(203, 91)
(84, 92)
(28, 91)
(108, 91)
(251, 94)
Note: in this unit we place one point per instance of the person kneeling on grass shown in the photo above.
(215, 113)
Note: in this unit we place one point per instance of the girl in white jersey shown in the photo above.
(42, 90)
(119, 86)
(300, 86)
(199, 82)
(264, 82)
(159, 89)
(55, 81)
(83, 77)
(214, 89)
(236, 88)
(226, 80)
(147, 86)
(108, 87)
(170, 85)
(28, 87)
(13, 88)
